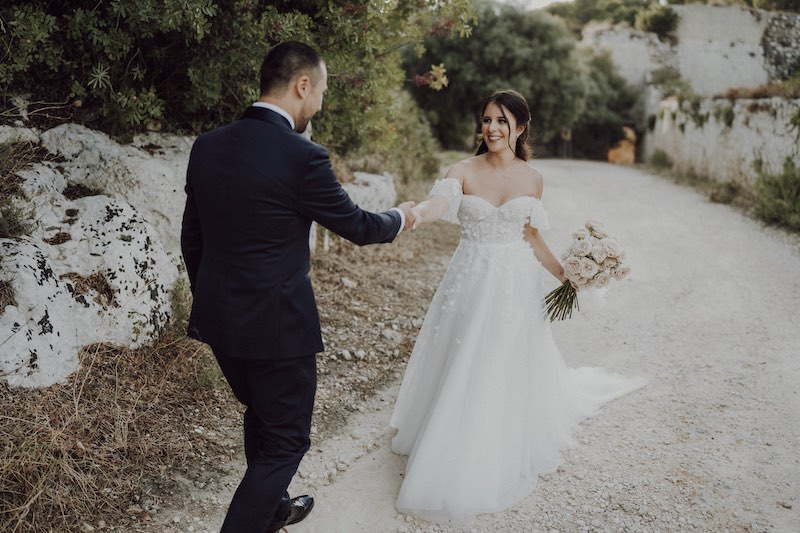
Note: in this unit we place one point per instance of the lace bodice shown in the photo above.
(483, 222)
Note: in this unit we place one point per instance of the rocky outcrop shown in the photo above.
(95, 267)
(104, 251)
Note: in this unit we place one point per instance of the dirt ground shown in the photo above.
(709, 315)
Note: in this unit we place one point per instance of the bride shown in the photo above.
(487, 403)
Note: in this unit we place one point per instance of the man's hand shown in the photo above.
(410, 215)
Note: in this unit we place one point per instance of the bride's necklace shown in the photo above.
(504, 174)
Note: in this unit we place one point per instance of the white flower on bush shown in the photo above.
(599, 253)
(613, 248)
(621, 272)
(581, 248)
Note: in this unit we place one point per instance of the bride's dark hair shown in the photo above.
(518, 106)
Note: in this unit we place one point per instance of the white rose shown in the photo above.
(599, 252)
(599, 232)
(621, 272)
(581, 234)
(581, 248)
(602, 279)
(613, 248)
(572, 267)
(592, 224)
(610, 262)
(588, 268)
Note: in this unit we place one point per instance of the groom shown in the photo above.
(253, 188)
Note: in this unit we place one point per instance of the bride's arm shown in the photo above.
(543, 253)
(430, 210)
(437, 205)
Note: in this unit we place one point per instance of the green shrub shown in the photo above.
(660, 160)
(777, 196)
(725, 115)
(190, 65)
(579, 13)
(777, 5)
(608, 107)
(412, 156)
(661, 20)
(529, 51)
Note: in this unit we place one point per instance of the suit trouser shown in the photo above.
(279, 396)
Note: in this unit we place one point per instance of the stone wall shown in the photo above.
(726, 141)
(715, 48)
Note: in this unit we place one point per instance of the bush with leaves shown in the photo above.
(661, 20)
(190, 65)
(777, 196)
(529, 51)
(579, 13)
(777, 5)
(609, 106)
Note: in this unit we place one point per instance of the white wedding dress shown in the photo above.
(487, 402)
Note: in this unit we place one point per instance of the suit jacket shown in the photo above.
(252, 189)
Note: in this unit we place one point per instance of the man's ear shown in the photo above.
(302, 86)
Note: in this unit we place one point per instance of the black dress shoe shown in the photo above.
(299, 508)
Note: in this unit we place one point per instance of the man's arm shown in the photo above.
(191, 237)
(323, 199)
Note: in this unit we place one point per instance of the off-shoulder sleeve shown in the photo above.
(539, 215)
(450, 188)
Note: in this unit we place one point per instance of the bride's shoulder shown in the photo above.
(535, 177)
(461, 169)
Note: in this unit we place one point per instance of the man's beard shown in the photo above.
(303, 127)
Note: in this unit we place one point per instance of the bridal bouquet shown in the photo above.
(591, 260)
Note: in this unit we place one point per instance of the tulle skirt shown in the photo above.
(487, 403)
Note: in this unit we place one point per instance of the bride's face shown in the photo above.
(499, 128)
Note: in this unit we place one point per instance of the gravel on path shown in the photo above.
(709, 315)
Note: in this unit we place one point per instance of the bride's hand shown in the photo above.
(417, 217)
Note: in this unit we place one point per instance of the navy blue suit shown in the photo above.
(253, 188)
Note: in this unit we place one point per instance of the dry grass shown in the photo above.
(96, 282)
(120, 438)
(94, 448)
(6, 295)
(14, 157)
(773, 89)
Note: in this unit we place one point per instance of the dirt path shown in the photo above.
(709, 315)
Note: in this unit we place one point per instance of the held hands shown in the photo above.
(417, 217)
(410, 215)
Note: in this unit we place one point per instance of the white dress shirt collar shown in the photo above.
(279, 110)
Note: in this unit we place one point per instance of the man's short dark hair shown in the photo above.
(285, 61)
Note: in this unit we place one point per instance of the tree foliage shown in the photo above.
(529, 51)
(661, 20)
(609, 106)
(189, 65)
(776, 5)
(579, 13)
